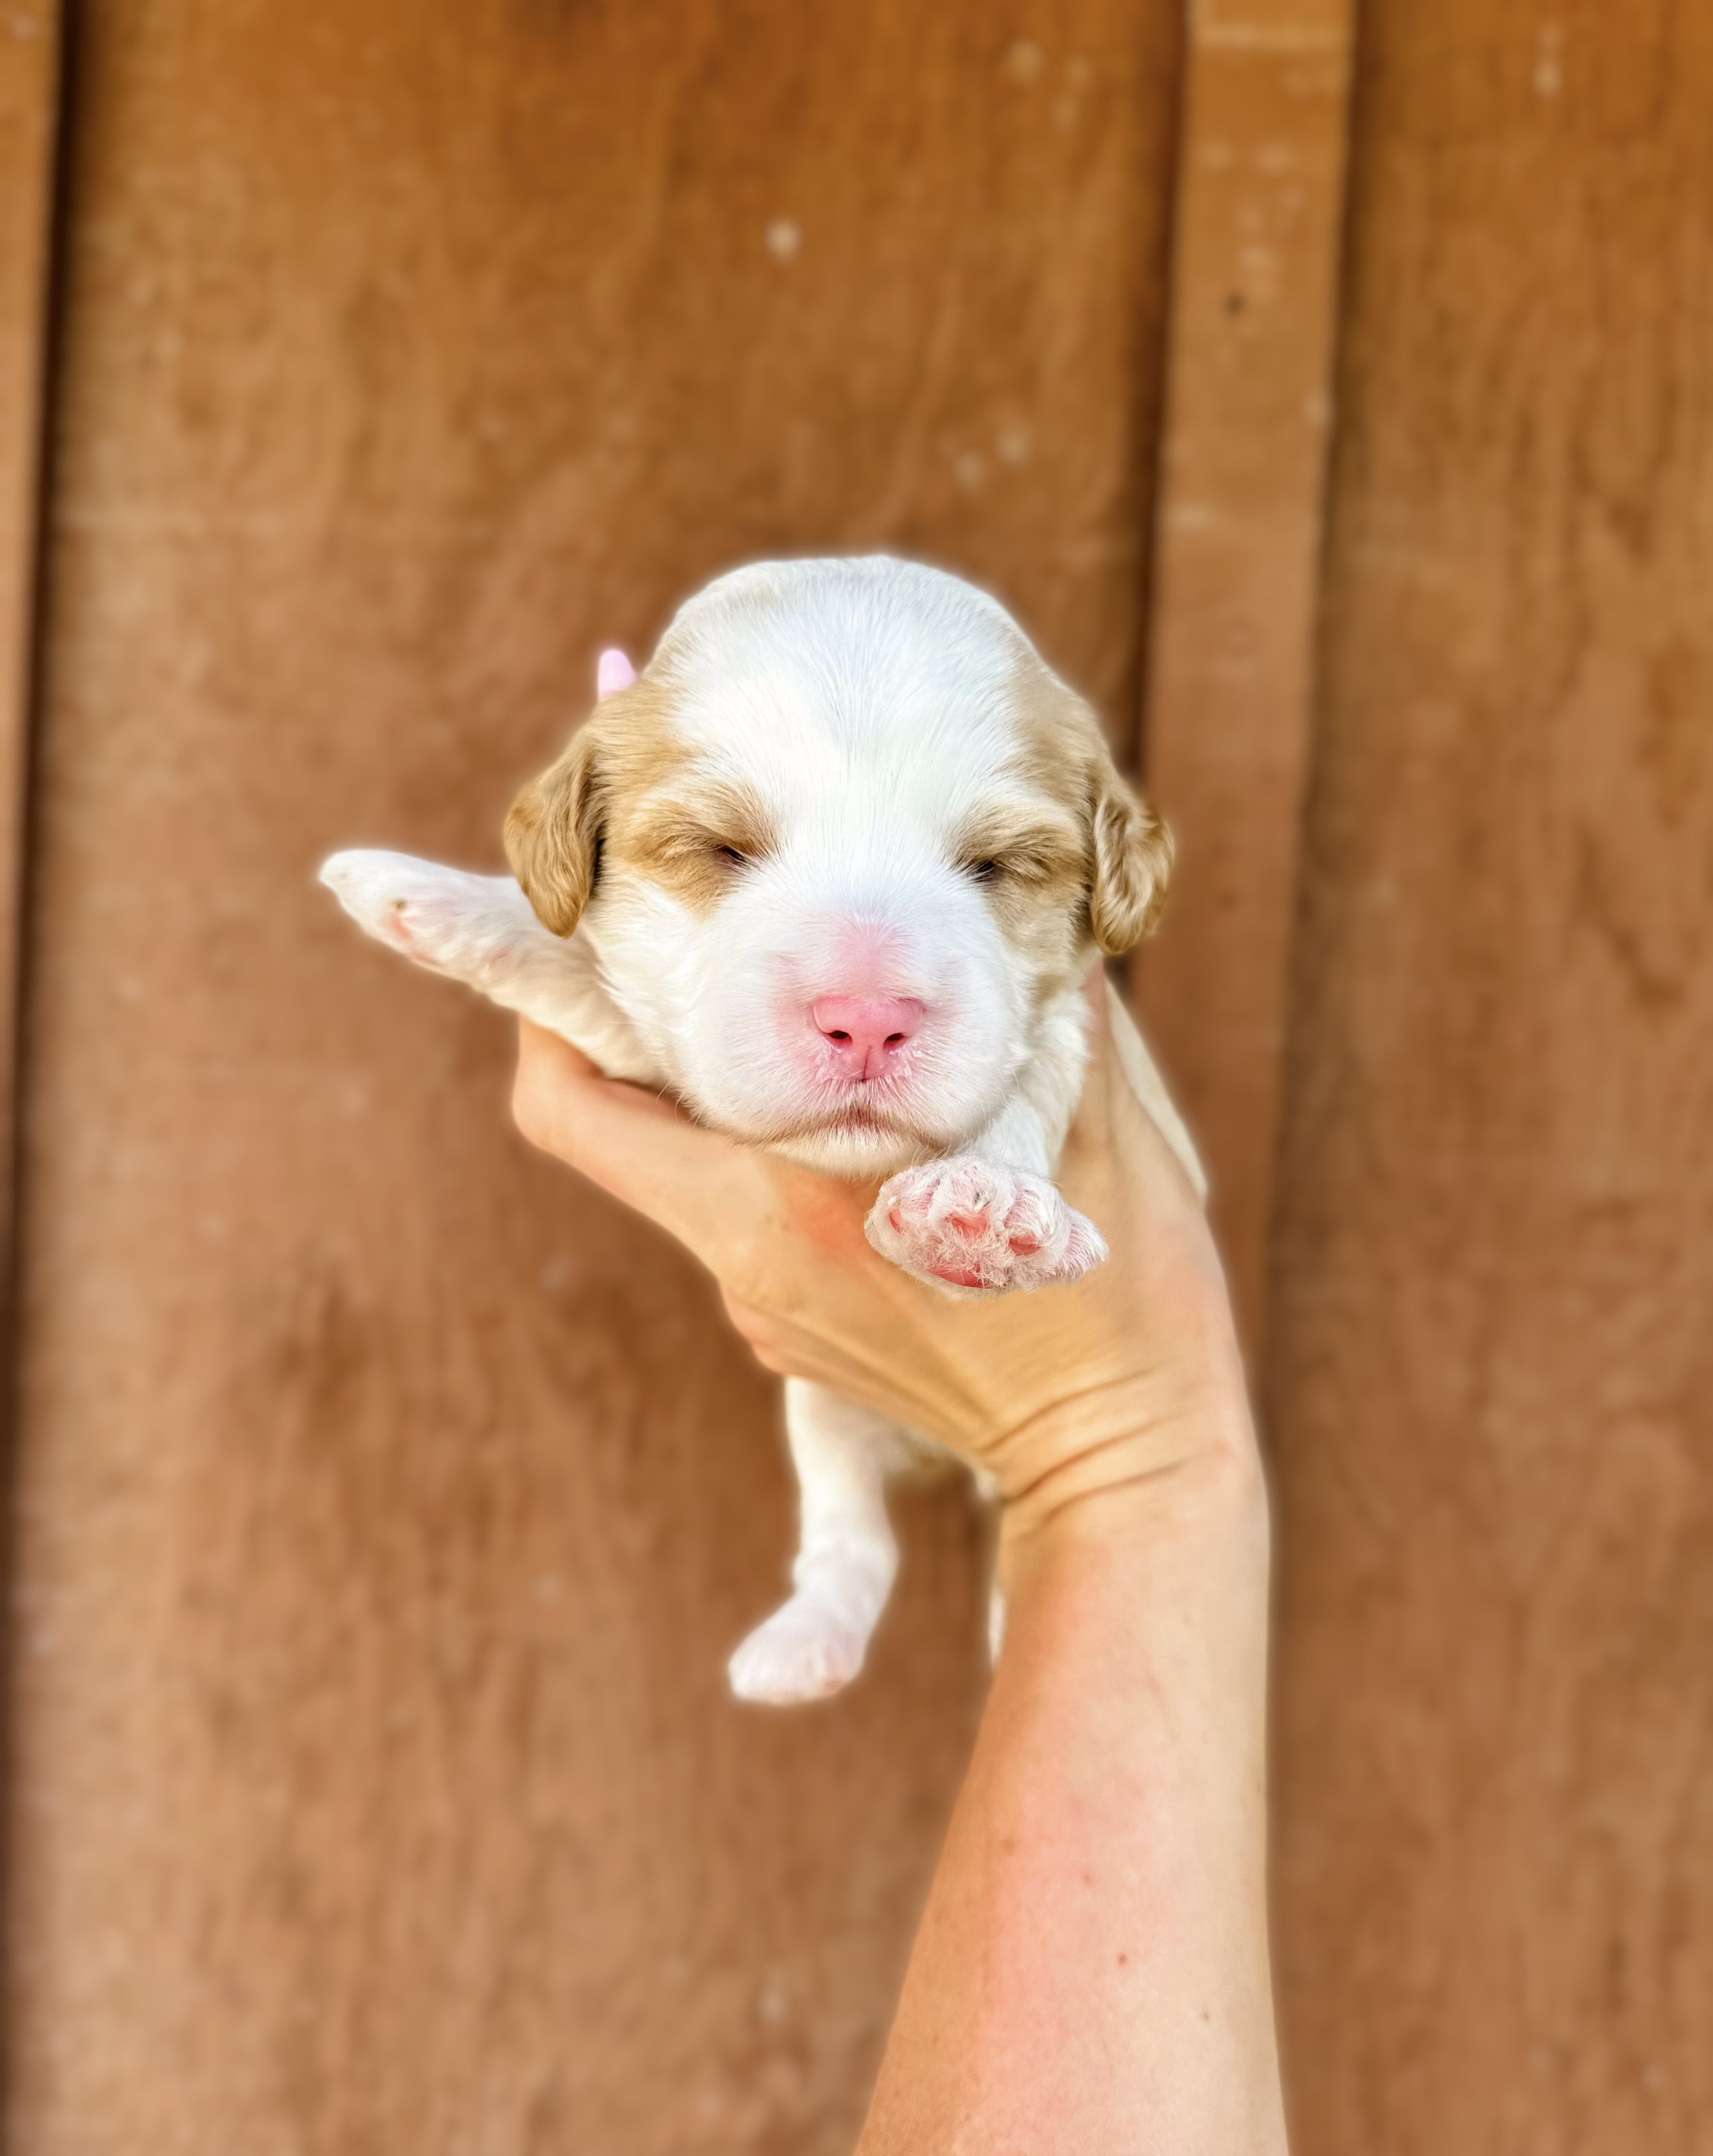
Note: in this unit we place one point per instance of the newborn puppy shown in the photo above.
(833, 869)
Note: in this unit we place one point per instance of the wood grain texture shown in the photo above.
(29, 99)
(388, 1502)
(1259, 207)
(1492, 1374)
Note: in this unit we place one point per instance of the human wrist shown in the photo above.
(1154, 1387)
(1130, 1459)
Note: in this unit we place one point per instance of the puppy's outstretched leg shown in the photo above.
(846, 1557)
(481, 930)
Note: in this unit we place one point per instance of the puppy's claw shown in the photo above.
(975, 1228)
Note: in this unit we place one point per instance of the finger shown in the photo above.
(544, 1050)
(789, 1351)
(549, 1070)
(635, 1145)
(757, 1333)
(744, 1316)
(551, 1081)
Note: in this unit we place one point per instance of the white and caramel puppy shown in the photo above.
(832, 868)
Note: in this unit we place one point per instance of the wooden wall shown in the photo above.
(388, 1503)
(1492, 1259)
(383, 1505)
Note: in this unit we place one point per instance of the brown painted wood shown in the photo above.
(388, 1502)
(1259, 206)
(30, 70)
(1490, 1382)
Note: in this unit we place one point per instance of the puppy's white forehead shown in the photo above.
(862, 685)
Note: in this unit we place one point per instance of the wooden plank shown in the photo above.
(30, 59)
(389, 1502)
(1230, 686)
(1489, 1391)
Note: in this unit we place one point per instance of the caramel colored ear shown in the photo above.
(553, 835)
(1132, 852)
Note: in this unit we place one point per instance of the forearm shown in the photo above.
(1092, 1970)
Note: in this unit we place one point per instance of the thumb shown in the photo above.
(632, 1142)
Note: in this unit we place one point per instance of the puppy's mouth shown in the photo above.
(859, 1113)
(857, 1119)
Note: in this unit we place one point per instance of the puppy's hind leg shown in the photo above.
(846, 1557)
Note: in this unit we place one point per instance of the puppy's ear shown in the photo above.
(1130, 863)
(553, 835)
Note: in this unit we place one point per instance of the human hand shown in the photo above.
(1124, 1738)
(1062, 1394)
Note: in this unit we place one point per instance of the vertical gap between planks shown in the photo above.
(33, 36)
(31, 42)
(1228, 717)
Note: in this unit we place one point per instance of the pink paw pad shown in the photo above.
(971, 1226)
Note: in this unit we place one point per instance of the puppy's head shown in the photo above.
(844, 849)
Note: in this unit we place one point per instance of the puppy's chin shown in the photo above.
(857, 1152)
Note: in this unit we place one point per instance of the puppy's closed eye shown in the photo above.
(695, 840)
(688, 844)
(699, 863)
(1035, 857)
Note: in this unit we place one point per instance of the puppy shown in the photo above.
(832, 868)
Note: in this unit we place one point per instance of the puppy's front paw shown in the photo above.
(965, 1224)
(443, 918)
(806, 1651)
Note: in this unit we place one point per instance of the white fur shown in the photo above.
(866, 703)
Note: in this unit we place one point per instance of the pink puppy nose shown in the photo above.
(865, 1032)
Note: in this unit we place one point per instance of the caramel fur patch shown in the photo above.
(1037, 855)
(630, 793)
(692, 834)
(1127, 850)
(558, 829)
